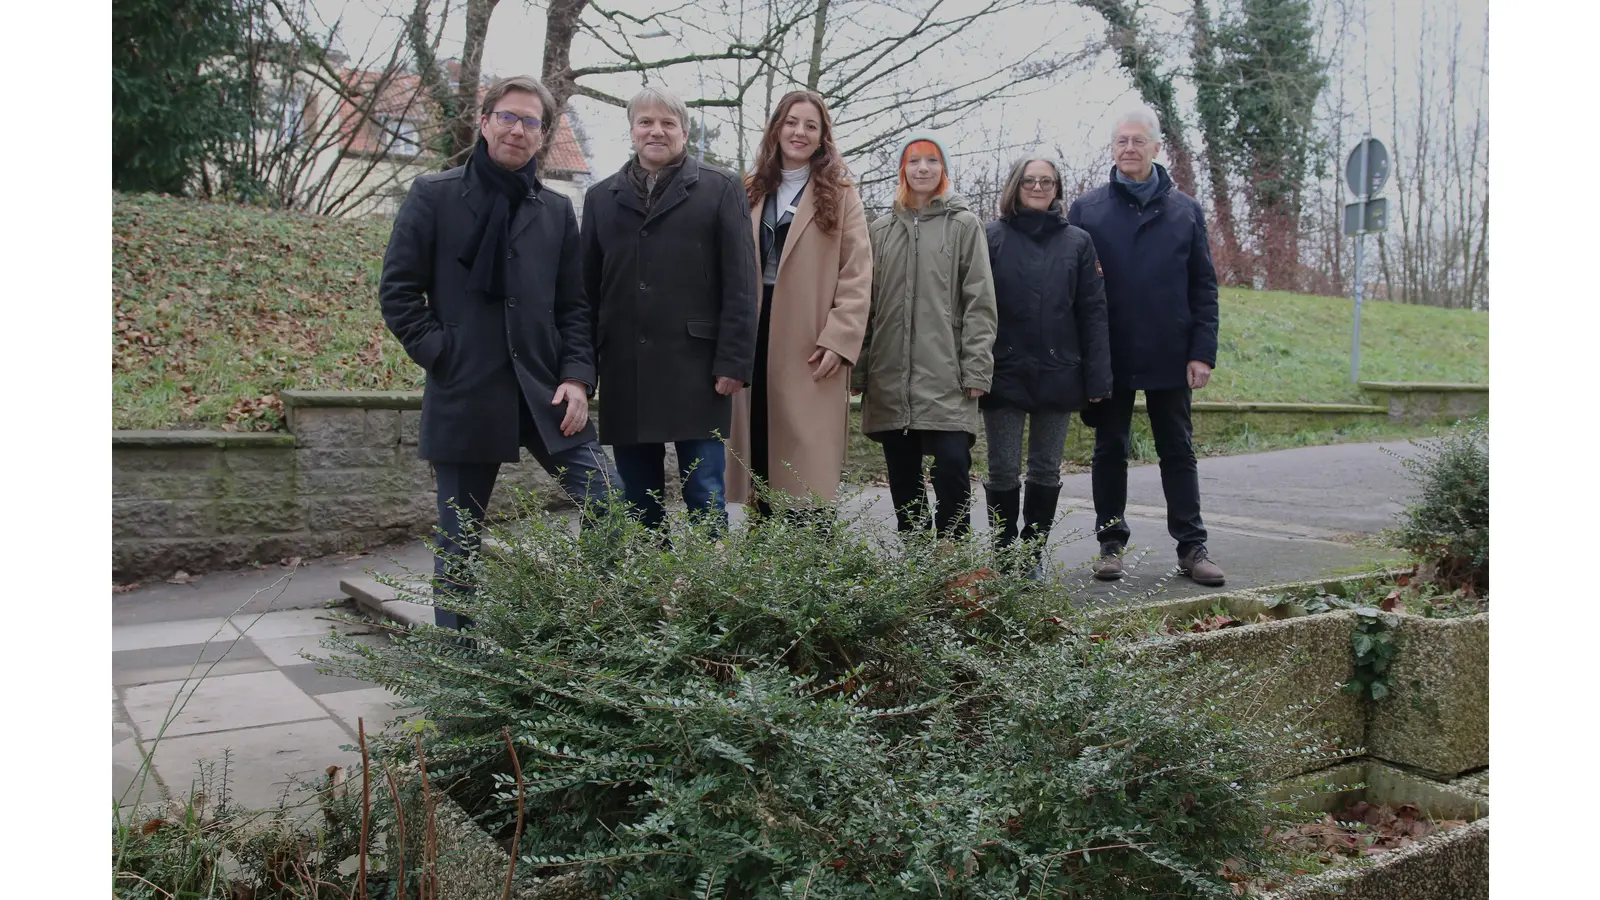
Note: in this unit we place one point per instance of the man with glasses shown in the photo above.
(483, 286)
(1161, 299)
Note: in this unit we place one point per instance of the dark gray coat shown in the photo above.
(1051, 351)
(478, 352)
(675, 303)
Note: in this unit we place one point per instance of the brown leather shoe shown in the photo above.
(1109, 566)
(1198, 566)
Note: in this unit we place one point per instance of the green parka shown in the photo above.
(930, 335)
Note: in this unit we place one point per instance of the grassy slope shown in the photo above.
(217, 307)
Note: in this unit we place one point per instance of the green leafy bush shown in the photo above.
(805, 709)
(1446, 527)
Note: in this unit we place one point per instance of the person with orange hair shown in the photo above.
(929, 350)
(815, 267)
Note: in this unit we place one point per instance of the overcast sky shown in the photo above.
(1073, 113)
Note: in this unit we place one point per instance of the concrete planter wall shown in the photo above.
(1450, 865)
(345, 477)
(1305, 661)
(1436, 721)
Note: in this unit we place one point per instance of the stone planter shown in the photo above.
(1436, 721)
(1301, 662)
(472, 865)
(1450, 865)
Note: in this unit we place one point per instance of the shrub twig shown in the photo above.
(516, 837)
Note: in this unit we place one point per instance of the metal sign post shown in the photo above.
(1366, 172)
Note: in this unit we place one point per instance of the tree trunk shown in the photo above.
(814, 77)
(560, 27)
(464, 130)
(1139, 61)
(433, 80)
(1233, 268)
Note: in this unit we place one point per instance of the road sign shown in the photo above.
(1361, 218)
(1377, 171)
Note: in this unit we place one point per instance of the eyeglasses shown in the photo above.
(530, 124)
(1038, 181)
(1138, 142)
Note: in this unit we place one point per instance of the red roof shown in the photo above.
(403, 98)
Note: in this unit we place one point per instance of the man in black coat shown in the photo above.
(670, 269)
(1161, 295)
(482, 284)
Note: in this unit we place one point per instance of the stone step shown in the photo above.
(383, 601)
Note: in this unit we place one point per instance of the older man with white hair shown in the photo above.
(1161, 299)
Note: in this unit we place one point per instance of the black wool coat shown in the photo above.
(674, 300)
(482, 355)
(1161, 290)
(1051, 352)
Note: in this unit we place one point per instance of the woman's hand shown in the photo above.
(826, 362)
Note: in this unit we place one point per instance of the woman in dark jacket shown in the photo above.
(1052, 351)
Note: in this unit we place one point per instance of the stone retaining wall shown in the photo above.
(1425, 402)
(346, 477)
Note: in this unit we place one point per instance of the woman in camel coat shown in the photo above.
(814, 263)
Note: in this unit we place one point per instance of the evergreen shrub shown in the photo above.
(809, 708)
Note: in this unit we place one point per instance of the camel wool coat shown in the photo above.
(820, 299)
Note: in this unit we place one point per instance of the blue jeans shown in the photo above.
(701, 465)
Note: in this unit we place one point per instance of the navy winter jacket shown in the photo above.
(1161, 291)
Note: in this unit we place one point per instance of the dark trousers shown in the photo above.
(702, 466)
(1180, 479)
(951, 473)
(585, 474)
(759, 443)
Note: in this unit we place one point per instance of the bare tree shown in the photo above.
(1438, 254)
(1143, 62)
(326, 134)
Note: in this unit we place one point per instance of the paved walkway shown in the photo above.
(1273, 517)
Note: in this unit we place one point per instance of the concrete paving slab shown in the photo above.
(171, 634)
(286, 651)
(219, 704)
(131, 785)
(158, 664)
(374, 704)
(295, 622)
(308, 679)
(261, 759)
(311, 585)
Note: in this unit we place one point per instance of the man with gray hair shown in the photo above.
(669, 266)
(1161, 299)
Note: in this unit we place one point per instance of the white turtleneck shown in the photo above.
(793, 181)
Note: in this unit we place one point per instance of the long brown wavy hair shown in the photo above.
(829, 177)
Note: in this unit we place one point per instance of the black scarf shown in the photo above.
(484, 252)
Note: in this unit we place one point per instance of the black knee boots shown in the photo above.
(1038, 514)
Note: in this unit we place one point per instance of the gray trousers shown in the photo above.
(1047, 439)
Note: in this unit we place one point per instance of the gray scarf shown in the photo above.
(1142, 191)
